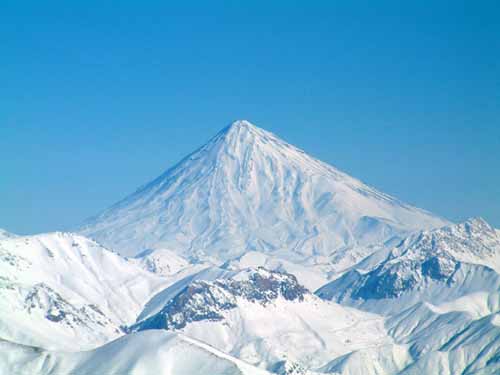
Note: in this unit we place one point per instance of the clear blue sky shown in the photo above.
(97, 99)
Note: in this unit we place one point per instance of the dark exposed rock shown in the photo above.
(202, 300)
(438, 269)
(199, 301)
(385, 285)
(264, 286)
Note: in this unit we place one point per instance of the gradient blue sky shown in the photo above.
(97, 99)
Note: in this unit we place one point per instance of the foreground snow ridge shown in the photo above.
(144, 353)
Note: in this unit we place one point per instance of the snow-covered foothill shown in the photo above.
(64, 291)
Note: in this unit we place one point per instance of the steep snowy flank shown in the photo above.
(248, 190)
(474, 350)
(143, 353)
(268, 319)
(434, 266)
(63, 291)
(424, 328)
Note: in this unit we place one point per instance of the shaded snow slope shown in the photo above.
(151, 352)
(473, 350)
(429, 341)
(381, 360)
(441, 292)
(246, 190)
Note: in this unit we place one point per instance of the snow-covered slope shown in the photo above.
(387, 359)
(161, 262)
(248, 190)
(429, 339)
(64, 291)
(441, 292)
(143, 353)
(4, 234)
(312, 277)
(473, 350)
(432, 266)
(267, 319)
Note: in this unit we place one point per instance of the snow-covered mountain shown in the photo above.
(212, 267)
(440, 291)
(265, 318)
(63, 291)
(246, 190)
(431, 266)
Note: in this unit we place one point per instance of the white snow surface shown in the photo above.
(309, 333)
(142, 353)
(162, 262)
(248, 190)
(63, 291)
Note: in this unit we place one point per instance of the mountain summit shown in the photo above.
(246, 189)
